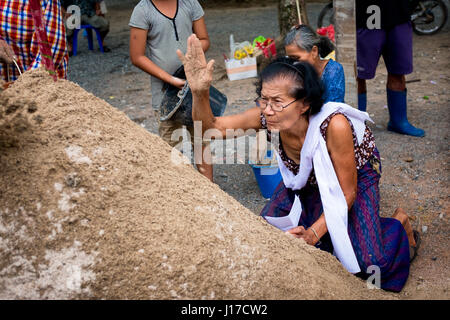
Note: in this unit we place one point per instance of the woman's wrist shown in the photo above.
(316, 236)
(201, 93)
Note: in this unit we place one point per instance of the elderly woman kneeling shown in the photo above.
(329, 164)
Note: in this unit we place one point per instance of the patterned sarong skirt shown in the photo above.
(377, 241)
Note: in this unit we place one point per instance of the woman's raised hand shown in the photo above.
(198, 72)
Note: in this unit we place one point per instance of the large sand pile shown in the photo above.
(91, 206)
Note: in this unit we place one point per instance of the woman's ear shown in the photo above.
(315, 52)
(306, 107)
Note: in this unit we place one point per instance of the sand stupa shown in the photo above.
(93, 206)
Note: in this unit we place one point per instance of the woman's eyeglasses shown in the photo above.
(275, 106)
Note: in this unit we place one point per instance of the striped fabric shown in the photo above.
(376, 241)
(17, 29)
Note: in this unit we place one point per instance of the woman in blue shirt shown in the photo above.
(304, 44)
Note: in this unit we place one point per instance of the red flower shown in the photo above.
(327, 31)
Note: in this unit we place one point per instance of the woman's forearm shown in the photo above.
(350, 198)
(320, 226)
(201, 110)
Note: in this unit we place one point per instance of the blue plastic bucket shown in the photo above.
(268, 177)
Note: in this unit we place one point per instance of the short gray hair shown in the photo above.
(306, 38)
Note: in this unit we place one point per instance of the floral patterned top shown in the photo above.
(363, 151)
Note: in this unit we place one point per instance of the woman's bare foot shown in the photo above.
(401, 216)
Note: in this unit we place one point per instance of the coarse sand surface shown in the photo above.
(92, 205)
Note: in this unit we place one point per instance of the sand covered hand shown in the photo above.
(198, 72)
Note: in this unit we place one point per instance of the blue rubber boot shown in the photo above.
(397, 112)
(362, 101)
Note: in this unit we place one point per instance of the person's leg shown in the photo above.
(401, 216)
(69, 37)
(396, 82)
(362, 94)
(166, 132)
(362, 87)
(202, 160)
(205, 167)
(100, 23)
(398, 59)
(369, 46)
(167, 129)
(103, 28)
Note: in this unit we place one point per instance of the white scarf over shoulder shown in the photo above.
(315, 154)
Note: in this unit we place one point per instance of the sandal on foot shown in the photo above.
(413, 250)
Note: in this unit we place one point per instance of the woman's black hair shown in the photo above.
(306, 82)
